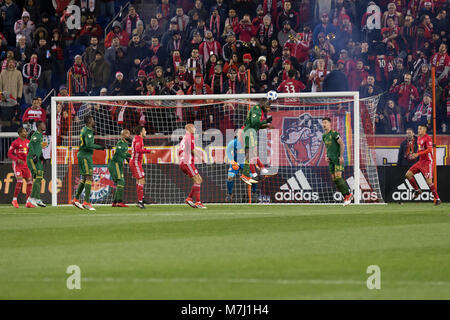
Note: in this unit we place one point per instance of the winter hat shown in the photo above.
(117, 24)
(139, 22)
(247, 56)
(25, 14)
(119, 74)
(141, 73)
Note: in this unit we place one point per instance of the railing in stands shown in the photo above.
(118, 15)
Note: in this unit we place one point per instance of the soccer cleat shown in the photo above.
(122, 205)
(437, 202)
(32, 201)
(145, 202)
(416, 194)
(200, 205)
(88, 206)
(77, 203)
(190, 202)
(29, 205)
(246, 180)
(141, 205)
(229, 198)
(348, 199)
(15, 204)
(40, 203)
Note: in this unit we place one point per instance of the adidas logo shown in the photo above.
(297, 188)
(366, 194)
(406, 190)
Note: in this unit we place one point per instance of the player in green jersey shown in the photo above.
(256, 119)
(115, 167)
(34, 162)
(335, 158)
(85, 164)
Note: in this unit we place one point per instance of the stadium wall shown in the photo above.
(394, 187)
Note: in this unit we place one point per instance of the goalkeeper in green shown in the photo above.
(335, 158)
(257, 119)
(115, 167)
(85, 163)
(34, 162)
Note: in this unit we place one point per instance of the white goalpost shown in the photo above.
(292, 149)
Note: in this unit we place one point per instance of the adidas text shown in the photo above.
(408, 195)
(292, 195)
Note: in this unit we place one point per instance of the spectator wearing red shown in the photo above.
(270, 7)
(244, 29)
(209, 46)
(391, 31)
(78, 74)
(407, 95)
(441, 60)
(259, 17)
(349, 64)
(291, 85)
(299, 47)
(181, 19)
(118, 32)
(199, 87)
(358, 77)
(91, 28)
(425, 22)
(35, 112)
(215, 23)
(265, 32)
(288, 14)
(392, 13)
(131, 19)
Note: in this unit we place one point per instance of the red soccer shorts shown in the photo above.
(189, 169)
(136, 170)
(425, 167)
(22, 171)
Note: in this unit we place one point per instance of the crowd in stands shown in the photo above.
(199, 47)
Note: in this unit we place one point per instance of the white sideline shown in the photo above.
(244, 280)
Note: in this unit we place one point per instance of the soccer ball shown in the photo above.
(272, 95)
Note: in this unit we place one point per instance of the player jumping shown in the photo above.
(136, 163)
(186, 155)
(85, 164)
(335, 158)
(424, 165)
(18, 154)
(115, 167)
(253, 123)
(236, 157)
(34, 162)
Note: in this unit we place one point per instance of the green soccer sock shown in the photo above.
(246, 170)
(79, 190)
(118, 196)
(342, 186)
(36, 190)
(87, 191)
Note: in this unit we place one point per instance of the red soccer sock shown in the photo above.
(196, 189)
(17, 189)
(260, 164)
(140, 191)
(29, 188)
(252, 168)
(434, 191)
(413, 183)
(192, 193)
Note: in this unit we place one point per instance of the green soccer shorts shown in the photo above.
(250, 139)
(36, 169)
(116, 171)
(334, 166)
(85, 165)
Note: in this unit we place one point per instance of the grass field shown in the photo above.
(226, 252)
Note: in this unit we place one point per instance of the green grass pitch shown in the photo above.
(226, 252)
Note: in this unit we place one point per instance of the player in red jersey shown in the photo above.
(291, 85)
(186, 155)
(424, 165)
(18, 152)
(137, 153)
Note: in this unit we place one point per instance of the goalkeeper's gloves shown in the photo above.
(269, 119)
(35, 159)
(234, 165)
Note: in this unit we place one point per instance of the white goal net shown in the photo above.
(292, 150)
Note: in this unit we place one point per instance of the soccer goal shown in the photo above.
(292, 150)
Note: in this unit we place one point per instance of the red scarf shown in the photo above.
(214, 25)
(423, 110)
(232, 86)
(155, 49)
(209, 46)
(395, 121)
(33, 64)
(165, 10)
(128, 23)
